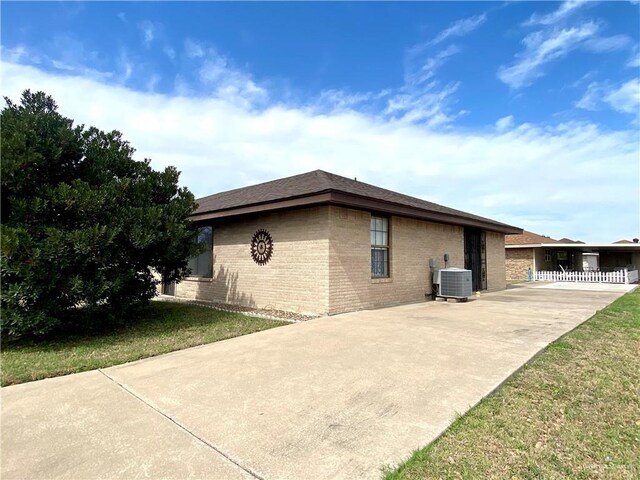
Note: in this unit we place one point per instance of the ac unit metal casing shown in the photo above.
(454, 283)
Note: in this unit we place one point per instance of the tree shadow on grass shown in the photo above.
(153, 320)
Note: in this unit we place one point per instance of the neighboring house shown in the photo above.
(319, 243)
(521, 253)
(530, 252)
(568, 240)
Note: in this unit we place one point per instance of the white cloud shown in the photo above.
(152, 83)
(148, 30)
(81, 70)
(607, 44)
(504, 123)
(124, 66)
(209, 74)
(420, 69)
(16, 54)
(169, 52)
(634, 59)
(422, 98)
(591, 98)
(336, 100)
(553, 43)
(219, 77)
(460, 28)
(122, 16)
(517, 175)
(193, 49)
(542, 48)
(427, 106)
(564, 10)
(71, 56)
(624, 97)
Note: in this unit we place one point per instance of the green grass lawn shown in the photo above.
(573, 412)
(163, 327)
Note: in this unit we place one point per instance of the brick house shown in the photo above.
(529, 251)
(522, 251)
(319, 243)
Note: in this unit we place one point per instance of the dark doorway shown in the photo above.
(168, 288)
(475, 257)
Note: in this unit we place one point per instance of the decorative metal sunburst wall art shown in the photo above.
(261, 247)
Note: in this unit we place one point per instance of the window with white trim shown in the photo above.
(379, 247)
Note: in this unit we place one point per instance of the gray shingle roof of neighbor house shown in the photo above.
(324, 188)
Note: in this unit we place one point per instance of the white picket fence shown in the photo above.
(621, 276)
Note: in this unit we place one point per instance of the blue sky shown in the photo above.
(527, 112)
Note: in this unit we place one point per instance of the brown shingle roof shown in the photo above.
(318, 182)
(568, 240)
(528, 238)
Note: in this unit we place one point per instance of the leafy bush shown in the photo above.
(83, 224)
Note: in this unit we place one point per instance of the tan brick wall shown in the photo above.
(496, 278)
(517, 263)
(349, 259)
(412, 243)
(322, 262)
(296, 279)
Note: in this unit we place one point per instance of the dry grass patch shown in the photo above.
(163, 327)
(574, 412)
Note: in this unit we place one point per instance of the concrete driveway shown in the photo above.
(336, 397)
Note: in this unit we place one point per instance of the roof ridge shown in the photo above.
(325, 176)
(261, 183)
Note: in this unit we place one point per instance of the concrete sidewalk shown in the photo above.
(336, 397)
(86, 426)
(593, 287)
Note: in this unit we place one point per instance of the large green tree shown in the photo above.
(84, 225)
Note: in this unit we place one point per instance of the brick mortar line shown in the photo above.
(189, 432)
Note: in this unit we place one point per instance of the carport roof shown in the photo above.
(533, 240)
(584, 247)
(324, 188)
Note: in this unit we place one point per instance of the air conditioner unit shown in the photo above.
(453, 283)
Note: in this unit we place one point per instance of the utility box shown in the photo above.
(454, 283)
